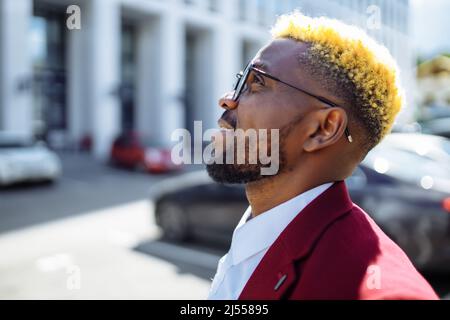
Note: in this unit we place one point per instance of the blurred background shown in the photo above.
(91, 205)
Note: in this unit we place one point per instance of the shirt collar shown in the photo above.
(257, 234)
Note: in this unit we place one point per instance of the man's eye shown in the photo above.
(258, 80)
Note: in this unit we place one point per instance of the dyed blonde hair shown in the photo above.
(350, 56)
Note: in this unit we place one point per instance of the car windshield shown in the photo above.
(148, 142)
(15, 143)
(431, 147)
(408, 165)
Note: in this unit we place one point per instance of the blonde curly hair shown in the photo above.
(358, 66)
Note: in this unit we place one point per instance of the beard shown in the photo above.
(234, 173)
(245, 173)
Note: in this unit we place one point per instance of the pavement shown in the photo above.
(93, 257)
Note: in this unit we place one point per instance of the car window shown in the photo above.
(126, 141)
(120, 141)
(405, 164)
(431, 147)
(148, 142)
(15, 143)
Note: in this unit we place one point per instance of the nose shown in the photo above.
(227, 102)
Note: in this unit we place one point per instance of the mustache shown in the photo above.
(229, 118)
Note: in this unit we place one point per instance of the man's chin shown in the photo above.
(234, 174)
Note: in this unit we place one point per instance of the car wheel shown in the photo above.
(173, 221)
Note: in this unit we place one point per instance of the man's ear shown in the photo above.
(327, 126)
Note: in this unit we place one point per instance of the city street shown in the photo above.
(92, 236)
(332, 87)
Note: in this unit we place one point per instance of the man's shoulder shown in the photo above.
(355, 259)
(357, 233)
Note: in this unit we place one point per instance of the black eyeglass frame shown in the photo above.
(243, 77)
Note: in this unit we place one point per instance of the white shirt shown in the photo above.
(251, 240)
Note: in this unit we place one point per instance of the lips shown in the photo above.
(228, 120)
(225, 125)
(226, 132)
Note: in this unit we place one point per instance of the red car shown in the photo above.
(133, 150)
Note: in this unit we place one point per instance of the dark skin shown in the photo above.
(316, 148)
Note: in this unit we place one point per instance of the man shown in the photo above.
(333, 93)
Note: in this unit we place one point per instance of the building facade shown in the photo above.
(148, 65)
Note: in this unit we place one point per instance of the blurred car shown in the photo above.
(404, 187)
(23, 160)
(133, 150)
(429, 146)
(440, 127)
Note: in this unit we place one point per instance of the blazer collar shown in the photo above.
(259, 233)
(276, 272)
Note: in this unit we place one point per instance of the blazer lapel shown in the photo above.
(276, 272)
(273, 276)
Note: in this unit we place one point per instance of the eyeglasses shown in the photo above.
(241, 84)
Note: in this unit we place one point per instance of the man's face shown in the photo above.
(268, 104)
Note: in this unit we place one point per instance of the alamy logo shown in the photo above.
(373, 281)
(374, 19)
(238, 146)
(73, 21)
(73, 277)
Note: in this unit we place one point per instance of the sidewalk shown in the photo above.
(92, 257)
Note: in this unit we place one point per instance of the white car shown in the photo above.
(22, 159)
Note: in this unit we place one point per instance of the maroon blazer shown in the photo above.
(334, 250)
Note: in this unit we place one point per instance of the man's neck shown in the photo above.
(270, 192)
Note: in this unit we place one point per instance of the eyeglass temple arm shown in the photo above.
(324, 100)
(321, 99)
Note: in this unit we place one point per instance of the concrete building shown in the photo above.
(148, 65)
